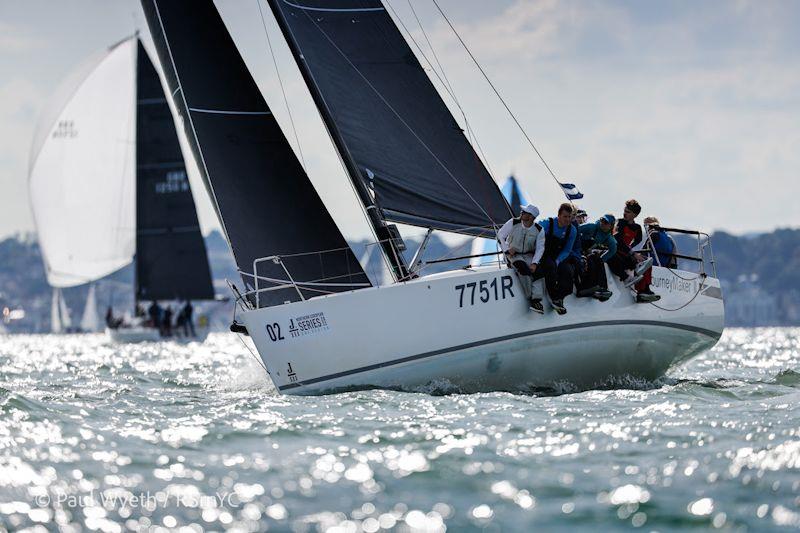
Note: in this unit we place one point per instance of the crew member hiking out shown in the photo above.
(558, 272)
(630, 265)
(598, 246)
(663, 245)
(523, 242)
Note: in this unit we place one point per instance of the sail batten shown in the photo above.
(262, 195)
(393, 124)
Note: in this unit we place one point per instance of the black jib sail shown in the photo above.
(171, 260)
(388, 118)
(263, 196)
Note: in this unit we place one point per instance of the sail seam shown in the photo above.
(340, 10)
(224, 112)
(189, 115)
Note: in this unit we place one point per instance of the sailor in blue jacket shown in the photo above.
(599, 245)
(559, 239)
(663, 244)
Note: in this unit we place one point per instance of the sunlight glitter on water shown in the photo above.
(164, 436)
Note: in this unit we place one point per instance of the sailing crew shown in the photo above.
(110, 321)
(154, 312)
(523, 242)
(663, 244)
(166, 324)
(599, 246)
(187, 320)
(559, 240)
(629, 264)
(581, 217)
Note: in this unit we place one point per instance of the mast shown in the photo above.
(394, 256)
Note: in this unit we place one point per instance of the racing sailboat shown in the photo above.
(318, 322)
(108, 186)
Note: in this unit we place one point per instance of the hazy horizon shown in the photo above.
(694, 109)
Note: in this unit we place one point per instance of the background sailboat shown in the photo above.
(108, 185)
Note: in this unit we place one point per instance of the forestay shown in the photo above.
(263, 196)
(82, 170)
(171, 259)
(378, 101)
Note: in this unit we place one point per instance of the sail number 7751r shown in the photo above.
(484, 291)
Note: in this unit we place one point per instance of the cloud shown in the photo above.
(14, 39)
(694, 109)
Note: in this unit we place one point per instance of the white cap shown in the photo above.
(530, 208)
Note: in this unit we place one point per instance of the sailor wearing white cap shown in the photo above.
(523, 242)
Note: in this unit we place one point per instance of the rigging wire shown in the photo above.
(280, 82)
(398, 116)
(442, 79)
(499, 96)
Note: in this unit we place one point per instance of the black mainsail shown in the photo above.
(263, 197)
(171, 260)
(388, 120)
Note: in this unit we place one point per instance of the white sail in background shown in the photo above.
(55, 312)
(60, 321)
(82, 171)
(90, 322)
(66, 319)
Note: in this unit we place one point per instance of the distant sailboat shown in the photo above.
(60, 321)
(108, 185)
(316, 319)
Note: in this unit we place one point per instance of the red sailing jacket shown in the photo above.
(628, 235)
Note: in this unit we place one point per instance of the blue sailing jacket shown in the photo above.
(591, 235)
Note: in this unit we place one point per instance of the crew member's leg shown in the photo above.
(565, 275)
(525, 277)
(547, 270)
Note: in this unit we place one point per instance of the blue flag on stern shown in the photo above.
(571, 191)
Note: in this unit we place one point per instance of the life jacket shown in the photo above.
(523, 239)
(554, 245)
(628, 235)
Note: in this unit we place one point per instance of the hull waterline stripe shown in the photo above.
(693, 329)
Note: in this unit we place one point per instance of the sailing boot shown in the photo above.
(647, 296)
(586, 293)
(536, 306)
(558, 306)
(603, 295)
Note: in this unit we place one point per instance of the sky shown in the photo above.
(691, 107)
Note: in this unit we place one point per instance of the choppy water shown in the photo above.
(111, 438)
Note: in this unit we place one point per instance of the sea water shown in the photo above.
(166, 436)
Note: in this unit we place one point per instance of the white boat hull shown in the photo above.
(436, 333)
(128, 335)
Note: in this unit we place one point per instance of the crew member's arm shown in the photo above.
(612, 249)
(503, 233)
(537, 255)
(567, 246)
